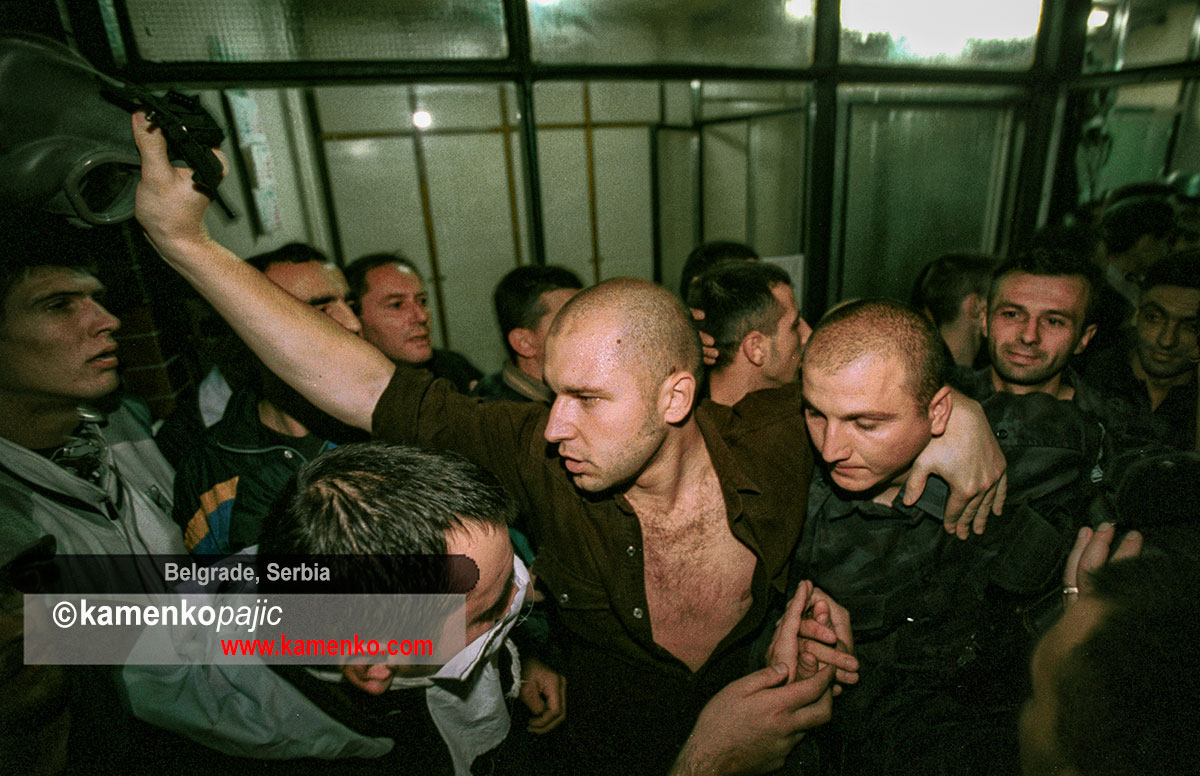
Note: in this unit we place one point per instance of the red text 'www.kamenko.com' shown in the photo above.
(301, 647)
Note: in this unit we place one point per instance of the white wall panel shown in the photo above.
(623, 197)
(561, 156)
(469, 191)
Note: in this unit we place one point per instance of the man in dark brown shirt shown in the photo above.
(664, 530)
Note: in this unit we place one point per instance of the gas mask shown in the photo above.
(65, 141)
(63, 146)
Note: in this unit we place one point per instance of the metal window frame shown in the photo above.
(1054, 86)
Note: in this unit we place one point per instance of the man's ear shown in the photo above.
(676, 396)
(983, 316)
(522, 342)
(939, 410)
(754, 348)
(1085, 338)
(805, 332)
(974, 306)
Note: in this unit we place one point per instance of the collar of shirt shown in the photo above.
(839, 504)
(529, 387)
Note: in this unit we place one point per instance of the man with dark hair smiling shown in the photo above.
(1039, 314)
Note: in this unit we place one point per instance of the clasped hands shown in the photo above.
(754, 722)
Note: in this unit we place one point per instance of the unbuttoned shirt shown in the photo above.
(590, 554)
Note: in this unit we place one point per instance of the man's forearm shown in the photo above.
(338, 372)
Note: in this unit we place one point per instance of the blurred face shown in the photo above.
(1166, 331)
(491, 550)
(318, 285)
(865, 422)
(551, 302)
(787, 343)
(1034, 326)
(1040, 755)
(604, 419)
(395, 314)
(56, 340)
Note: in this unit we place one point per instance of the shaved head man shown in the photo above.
(874, 382)
(622, 359)
(876, 398)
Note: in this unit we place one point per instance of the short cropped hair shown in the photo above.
(737, 298)
(1181, 268)
(710, 254)
(1052, 262)
(1127, 221)
(660, 332)
(1127, 693)
(292, 253)
(881, 327)
(517, 297)
(356, 272)
(947, 280)
(382, 498)
(33, 239)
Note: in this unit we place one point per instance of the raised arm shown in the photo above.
(336, 371)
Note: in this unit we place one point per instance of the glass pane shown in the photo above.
(624, 101)
(762, 33)
(725, 148)
(623, 202)
(562, 155)
(776, 186)
(1128, 143)
(739, 98)
(940, 33)
(472, 219)
(920, 181)
(677, 188)
(1134, 33)
(300, 30)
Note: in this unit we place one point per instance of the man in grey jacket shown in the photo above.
(93, 479)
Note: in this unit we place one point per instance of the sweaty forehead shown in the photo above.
(585, 349)
(393, 279)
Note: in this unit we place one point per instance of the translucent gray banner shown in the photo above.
(199, 629)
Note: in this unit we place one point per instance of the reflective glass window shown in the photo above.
(1136, 33)
(300, 30)
(996, 34)
(1128, 138)
(760, 33)
(919, 180)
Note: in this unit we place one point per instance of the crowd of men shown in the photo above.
(754, 545)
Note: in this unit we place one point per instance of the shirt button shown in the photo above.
(287, 454)
(630, 551)
(638, 613)
(562, 599)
